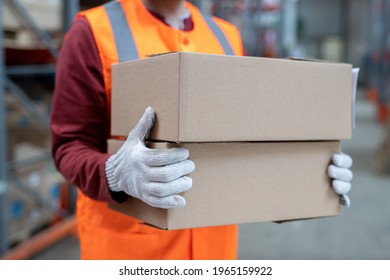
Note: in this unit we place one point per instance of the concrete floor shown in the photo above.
(361, 232)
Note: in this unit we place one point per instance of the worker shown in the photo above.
(80, 126)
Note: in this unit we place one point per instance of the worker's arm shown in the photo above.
(340, 173)
(80, 118)
(80, 128)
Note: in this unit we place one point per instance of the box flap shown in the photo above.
(153, 82)
(262, 99)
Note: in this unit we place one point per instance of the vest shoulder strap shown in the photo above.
(124, 40)
(218, 33)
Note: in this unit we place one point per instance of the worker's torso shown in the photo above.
(105, 234)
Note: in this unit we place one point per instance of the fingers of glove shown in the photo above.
(342, 160)
(338, 173)
(144, 125)
(161, 157)
(171, 172)
(166, 202)
(175, 187)
(344, 200)
(341, 187)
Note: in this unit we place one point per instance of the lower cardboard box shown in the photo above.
(237, 183)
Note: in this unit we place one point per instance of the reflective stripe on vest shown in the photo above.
(124, 40)
(218, 33)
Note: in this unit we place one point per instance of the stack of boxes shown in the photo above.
(27, 215)
(27, 140)
(47, 14)
(261, 133)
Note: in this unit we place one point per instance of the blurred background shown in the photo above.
(37, 204)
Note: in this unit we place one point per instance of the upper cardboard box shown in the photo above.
(214, 98)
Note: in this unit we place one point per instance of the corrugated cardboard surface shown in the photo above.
(247, 182)
(214, 98)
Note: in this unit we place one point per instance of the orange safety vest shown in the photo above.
(125, 30)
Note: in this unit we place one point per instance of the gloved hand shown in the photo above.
(155, 176)
(339, 171)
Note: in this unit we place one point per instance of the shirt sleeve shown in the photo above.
(80, 120)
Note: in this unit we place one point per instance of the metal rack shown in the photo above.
(7, 73)
(259, 21)
(379, 58)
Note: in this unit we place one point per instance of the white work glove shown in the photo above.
(155, 176)
(339, 171)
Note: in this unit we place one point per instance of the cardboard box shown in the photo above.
(247, 182)
(215, 98)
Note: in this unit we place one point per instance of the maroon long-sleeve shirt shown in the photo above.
(80, 121)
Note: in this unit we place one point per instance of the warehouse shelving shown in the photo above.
(379, 79)
(259, 22)
(8, 75)
(379, 58)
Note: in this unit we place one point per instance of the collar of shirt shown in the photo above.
(186, 23)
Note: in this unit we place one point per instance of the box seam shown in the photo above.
(178, 136)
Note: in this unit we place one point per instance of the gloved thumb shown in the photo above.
(144, 125)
